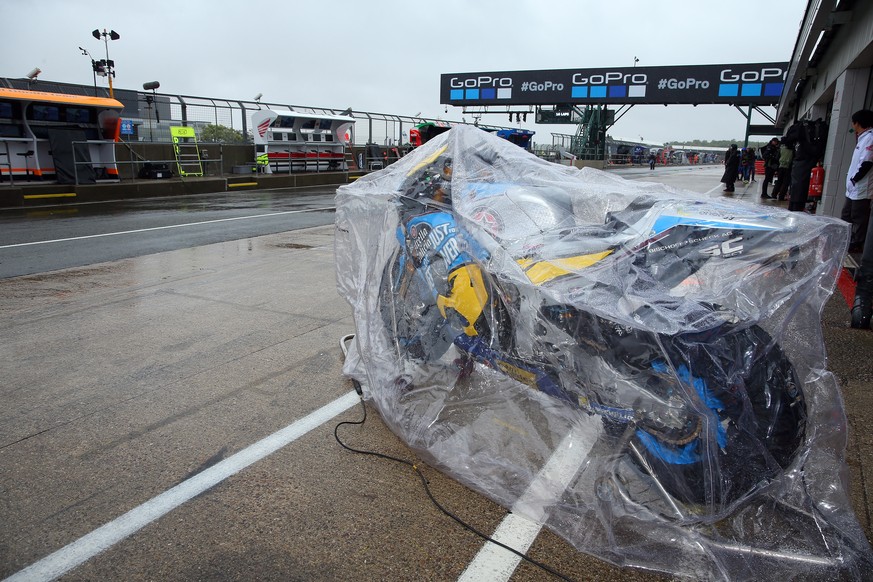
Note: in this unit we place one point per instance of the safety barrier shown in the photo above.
(150, 160)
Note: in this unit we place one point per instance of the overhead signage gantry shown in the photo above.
(581, 96)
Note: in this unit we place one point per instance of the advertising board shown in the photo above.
(744, 84)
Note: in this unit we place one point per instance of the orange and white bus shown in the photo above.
(55, 136)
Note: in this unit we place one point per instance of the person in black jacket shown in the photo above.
(770, 155)
(731, 168)
(809, 138)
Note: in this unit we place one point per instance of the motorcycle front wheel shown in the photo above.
(409, 312)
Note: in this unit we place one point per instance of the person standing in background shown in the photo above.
(859, 188)
(753, 157)
(770, 155)
(783, 174)
(745, 162)
(731, 168)
(809, 139)
(856, 208)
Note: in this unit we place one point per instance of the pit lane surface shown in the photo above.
(127, 378)
(36, 240)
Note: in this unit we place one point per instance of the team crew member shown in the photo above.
(770, 155)
(859, 188)
(856, 209)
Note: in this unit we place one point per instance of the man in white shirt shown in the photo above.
(856, 209)
(859, 189)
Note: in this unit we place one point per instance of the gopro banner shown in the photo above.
(747, 84)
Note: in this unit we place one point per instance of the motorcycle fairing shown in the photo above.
(467, 296)
(434, 244)
(705, 217)
(669, 240)
(543, 271)
(435, 234)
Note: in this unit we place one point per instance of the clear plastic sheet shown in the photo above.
(639, 368)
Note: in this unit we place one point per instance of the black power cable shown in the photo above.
(427, 490)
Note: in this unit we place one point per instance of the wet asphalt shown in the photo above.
(48, 238)
(123, 377)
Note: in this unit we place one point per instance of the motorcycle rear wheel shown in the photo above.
(763, 419)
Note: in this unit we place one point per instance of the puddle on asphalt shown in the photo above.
(57, 284)
(292, 246)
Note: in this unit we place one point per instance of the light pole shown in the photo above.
(93, 68)
(110, 66)
(152, 101)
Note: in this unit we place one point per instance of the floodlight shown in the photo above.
(109, 64)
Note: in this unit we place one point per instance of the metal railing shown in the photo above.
(138, 161)
(154, 119)
(8, 163)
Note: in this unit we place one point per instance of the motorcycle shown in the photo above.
(702, 399)
(639, 368)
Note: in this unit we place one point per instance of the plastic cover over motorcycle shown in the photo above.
(640, 369)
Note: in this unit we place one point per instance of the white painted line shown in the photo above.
(102, 538)
(719, 187)
(57, 240)
(496, 564)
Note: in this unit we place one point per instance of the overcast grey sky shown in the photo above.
(387, 56)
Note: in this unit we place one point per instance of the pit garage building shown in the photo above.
(830, 76)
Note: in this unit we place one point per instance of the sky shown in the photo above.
(387, 56)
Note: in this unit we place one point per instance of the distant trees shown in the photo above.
(221, 133)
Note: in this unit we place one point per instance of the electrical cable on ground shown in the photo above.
(427, 490)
